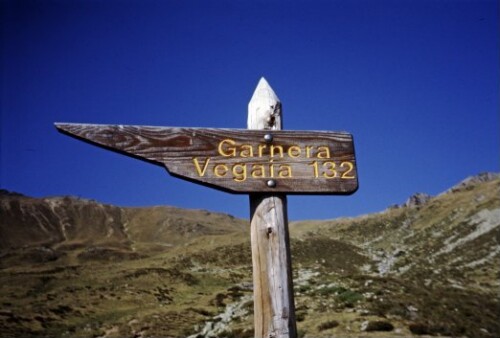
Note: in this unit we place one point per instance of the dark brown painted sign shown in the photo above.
(237, 160)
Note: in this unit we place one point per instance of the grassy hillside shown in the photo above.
(88, 270)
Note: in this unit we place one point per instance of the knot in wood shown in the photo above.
(273, 119)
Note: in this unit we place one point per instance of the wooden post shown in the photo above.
(274, 309)
(322, 162)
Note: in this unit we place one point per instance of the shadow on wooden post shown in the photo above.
(274, 309)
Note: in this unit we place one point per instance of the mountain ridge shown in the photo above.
(72, 266)
(67, 220)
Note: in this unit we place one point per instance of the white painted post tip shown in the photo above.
(264, 108)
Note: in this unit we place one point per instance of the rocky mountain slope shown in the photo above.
(74, 267)
(45, 228)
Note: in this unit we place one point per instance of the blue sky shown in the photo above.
(415, 82)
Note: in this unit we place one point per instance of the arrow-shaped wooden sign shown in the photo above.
(237, 160)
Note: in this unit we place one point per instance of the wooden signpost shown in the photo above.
(263, 161)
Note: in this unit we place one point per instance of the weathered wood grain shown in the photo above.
(274, 309)
(264, 161)
(299, 162)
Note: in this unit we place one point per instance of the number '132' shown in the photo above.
(329, 169)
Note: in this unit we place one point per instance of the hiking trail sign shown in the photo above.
(263, 161)
(239, 161)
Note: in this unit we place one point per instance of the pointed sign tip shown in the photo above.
(62, 126)
(263, 83)
(264, 90)
(59, 125)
